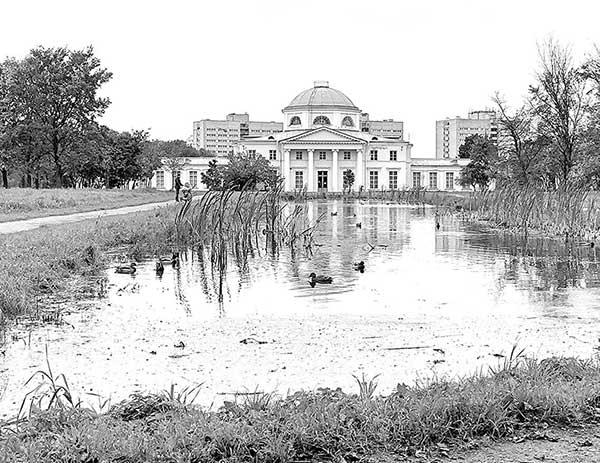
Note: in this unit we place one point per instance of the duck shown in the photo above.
(160, 268)
(360, 266)
(126, 269)
(359, 225)
(323, 279)
(333, 214)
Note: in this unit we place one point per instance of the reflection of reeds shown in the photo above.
(242, 224)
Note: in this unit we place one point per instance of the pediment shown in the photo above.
(323, 135)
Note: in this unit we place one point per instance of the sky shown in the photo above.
(177, 61)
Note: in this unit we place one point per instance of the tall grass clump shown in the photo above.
(242, 224)
(324, 425)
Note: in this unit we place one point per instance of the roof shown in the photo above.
(321, 95)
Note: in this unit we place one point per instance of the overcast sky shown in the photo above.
(416, 61)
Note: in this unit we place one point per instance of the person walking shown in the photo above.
(177, 186)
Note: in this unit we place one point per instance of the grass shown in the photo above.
(26, 203)
(37, 265)
(323, 425)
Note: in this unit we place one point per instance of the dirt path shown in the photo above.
(575, 445)
(31, 224)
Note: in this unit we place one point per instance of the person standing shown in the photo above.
(177, 186)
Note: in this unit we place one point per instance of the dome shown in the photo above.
(321, 95)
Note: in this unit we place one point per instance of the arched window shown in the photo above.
(321, 120)
(295, 120)
(347, 122)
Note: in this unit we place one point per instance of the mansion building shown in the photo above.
(325, 134)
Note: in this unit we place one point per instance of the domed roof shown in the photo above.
(321, 95)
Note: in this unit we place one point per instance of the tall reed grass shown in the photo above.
(241, 224)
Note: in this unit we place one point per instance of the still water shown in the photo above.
(431, 303)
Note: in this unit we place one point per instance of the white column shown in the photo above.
(360, 174)
(384, 180)
(287, 174)
(335, 174)
(311, 170)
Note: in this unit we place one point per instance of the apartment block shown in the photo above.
(388, 128)
(450, 134)
(220, 136)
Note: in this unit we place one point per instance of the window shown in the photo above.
(433, 180)
(393, 155)
(347, 156)
(299, 155)
(347, 122)
(272, 155)
(373, 156)
(449, 180)
(251, 151)
(299, 180)
(393, 180)
(321, 120)
(193, 178)
(416, 179)
(322, 155)
(160, 179)
(295, 120)
(373, 179)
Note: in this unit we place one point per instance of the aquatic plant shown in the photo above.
(241, 224)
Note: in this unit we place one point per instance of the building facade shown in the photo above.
(323, 135)
(450, 134)
(219, 137)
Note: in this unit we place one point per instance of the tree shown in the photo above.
(521, 148)
(481, 169)
(560, 99)
(247, 169)
(213, 177)
(348, 176)
(53, 97)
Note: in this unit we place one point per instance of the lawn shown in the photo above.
(27, 203)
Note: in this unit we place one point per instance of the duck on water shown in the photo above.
(313, 279)
(126, 269)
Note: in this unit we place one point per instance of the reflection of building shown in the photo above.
(450, 134)
(220, 137)
(323, 135)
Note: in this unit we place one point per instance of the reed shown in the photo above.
(239, 224)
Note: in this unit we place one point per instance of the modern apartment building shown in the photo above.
(220, 136)
(450, 134)
(388, 128)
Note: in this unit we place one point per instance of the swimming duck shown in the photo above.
(126, 269)
(323, 279)
(333, 214)
(360, 266)
(160, 268)
(359, 225)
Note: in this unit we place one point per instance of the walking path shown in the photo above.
(31, 224)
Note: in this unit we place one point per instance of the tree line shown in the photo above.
(552, 139)
(50, 134)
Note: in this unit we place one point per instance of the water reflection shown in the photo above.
(460, 288)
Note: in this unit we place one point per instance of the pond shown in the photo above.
(430, 303)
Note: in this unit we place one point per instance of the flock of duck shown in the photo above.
(130, 269)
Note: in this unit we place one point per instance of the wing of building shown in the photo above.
(323, 135)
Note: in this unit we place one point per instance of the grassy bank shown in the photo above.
(326, 425)
(26, 203)
(36, 265)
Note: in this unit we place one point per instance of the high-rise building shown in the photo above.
(386, 128)
(220, 136)
(450, 134)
